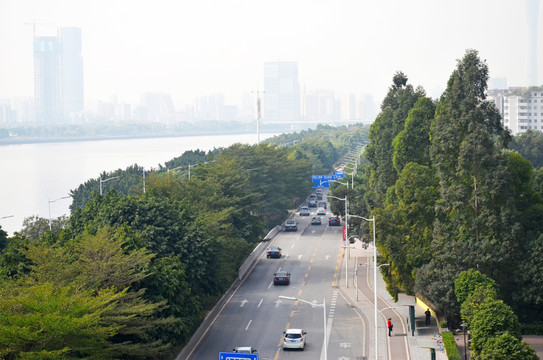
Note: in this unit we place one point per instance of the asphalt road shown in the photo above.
(256, 316)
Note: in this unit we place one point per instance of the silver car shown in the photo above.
(305, 211)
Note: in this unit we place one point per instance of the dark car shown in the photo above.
(316, 220)
(281, 278)
(322, 204)
(291, 225)
(334, 221)
(313, 197)
(319, 197)
(273, 252)
(312, 203)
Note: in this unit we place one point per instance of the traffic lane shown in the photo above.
(239, 320)
(316, 289)
(250, 317)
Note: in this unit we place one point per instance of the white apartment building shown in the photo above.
(521, 108)
(523, 111)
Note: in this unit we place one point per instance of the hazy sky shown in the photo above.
(190, 48)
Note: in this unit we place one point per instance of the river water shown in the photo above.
(35, 177)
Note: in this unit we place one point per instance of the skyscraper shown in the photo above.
(72, 71)
(532, 14)
(47, 79)
(58, 75)
(281, 101)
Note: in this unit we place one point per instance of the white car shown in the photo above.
(321, 211)
(294, 339)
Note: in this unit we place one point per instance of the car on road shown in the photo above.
(318, 191)
(319, 196)
(315, 220)
(322, 204)
(321, 211)
(273, 252)
(312, 203)
(291, 225)
(334, 221)
(294, 339)
(313, 197)
(305, 211)
(281, 278)
(244, 350)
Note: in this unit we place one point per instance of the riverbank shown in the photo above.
(41, 140)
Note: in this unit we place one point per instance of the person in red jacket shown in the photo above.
(390, 326)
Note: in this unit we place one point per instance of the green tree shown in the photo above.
(507, 346)
(413, 143)
(405, 231)
(467, 281)
(493, 318)
(529, 144)
(473, 301)
(388, 124)
(49, 321)
(473, 183)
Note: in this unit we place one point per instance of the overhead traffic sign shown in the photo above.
(321, 184)
(340, 174)
(237, 356)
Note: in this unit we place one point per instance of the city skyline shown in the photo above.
(190, 50)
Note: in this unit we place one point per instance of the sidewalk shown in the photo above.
(424, 335)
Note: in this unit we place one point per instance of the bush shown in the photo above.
(531, 329)
(450, 346)
(443, 324)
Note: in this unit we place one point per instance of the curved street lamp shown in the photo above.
(52, 201)
(106, 180)
(325, 347)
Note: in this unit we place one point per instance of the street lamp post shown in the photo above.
(191, 165)
(347, 250)
(374, 280)
(106, 180)
(49, 203)
(325, 346)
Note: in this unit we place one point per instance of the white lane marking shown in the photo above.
(243, 302)
(260, 303)
(300, 257)
(327, 257)
(277, 302)
(249, 324)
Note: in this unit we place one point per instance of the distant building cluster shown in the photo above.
(59, 96)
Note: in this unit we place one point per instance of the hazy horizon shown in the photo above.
(192, 49)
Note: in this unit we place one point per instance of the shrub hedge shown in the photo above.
(450, 346)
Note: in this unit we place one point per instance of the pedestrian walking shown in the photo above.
(428, 315)
(390, 326)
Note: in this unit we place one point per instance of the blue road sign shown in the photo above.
(340, 174)
(236, 356)
(322, 177)
(321, 184)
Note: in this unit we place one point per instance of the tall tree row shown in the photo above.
(448, 196)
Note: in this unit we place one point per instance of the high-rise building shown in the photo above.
(532, 13)
(72, 71)
(58, 75)
(281, 100)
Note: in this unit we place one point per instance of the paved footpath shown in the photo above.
(401, 345)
